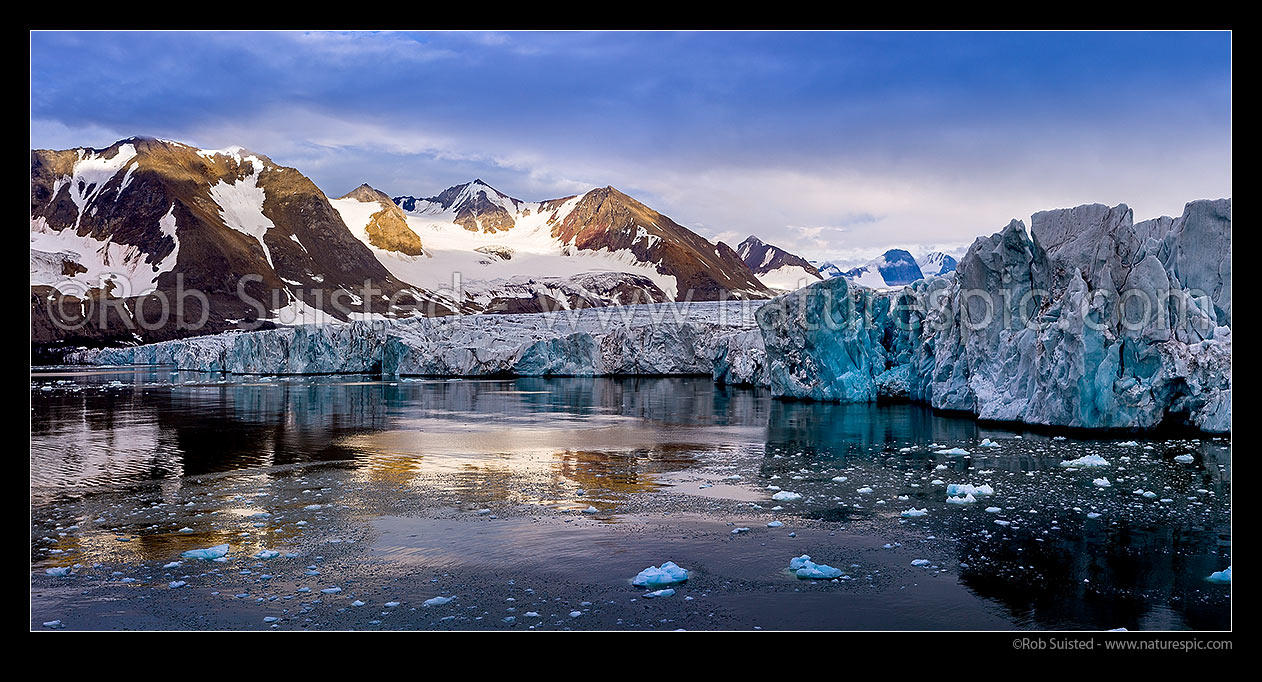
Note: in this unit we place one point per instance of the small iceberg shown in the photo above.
(1223, 577)
(987, 443)
(668, 574)
(806, 569)
(1086, 461)
(1185, 459)
(1102, 483)
(962, 489)
(209, 554)
(913, 513)
(59, 571)
(659, 593)
(438, 601)
(786, 496)
(952, 451)
(267, 554)
(967, 499)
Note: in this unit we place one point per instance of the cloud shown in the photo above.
(833, 145)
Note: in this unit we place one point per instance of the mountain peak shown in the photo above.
(366, 192)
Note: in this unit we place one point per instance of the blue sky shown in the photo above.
(830, 144)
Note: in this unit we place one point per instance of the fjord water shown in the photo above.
(545, 496)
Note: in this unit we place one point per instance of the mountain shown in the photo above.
(936, 263)
(491, 252)
(229, 239)
(894, 268)
(475, 206)
(126, 227)
(775, 267)
(827, 269)
(386, 229)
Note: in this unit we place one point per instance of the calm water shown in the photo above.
(1050, 549)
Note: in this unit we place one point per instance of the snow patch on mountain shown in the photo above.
(241, 205)
(73, 263)
(92, 172)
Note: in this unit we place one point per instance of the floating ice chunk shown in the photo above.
(54, 624)
(590, 510)
(988, 443)
(1093, 515)
(806, 569)
(738, 531)
(937, 481)
(357, 603)
(967, 499)
(58, 571)
(993, 510)
(331, 590)
(913, 513)
(962, 489)
(786, 496)
(270, 619)
(1185, 459)
(839, 479)
(1149, 494)
(1102, 483)
(209, 554)
(920, 562)
(952, 451)
(267, 554)
(659, 593)
(1086, 461)
(176, 583)
(438, 601)
(1128, 443)
(668, 574)
(865, 490)
(1223, 576)
(774, 524)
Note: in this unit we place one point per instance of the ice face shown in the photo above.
(835, 341)
(1075, 365)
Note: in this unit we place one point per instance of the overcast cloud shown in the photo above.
(832, 145)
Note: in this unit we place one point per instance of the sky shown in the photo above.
(833, 145)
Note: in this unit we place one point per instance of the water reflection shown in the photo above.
(168, 439)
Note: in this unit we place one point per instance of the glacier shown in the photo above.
(1085, 319)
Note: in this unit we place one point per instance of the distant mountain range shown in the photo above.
(140, 219)
(894, 268)
(144, 217)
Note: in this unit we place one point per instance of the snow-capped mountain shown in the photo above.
(494, 252)
(145, 218)
(936, 263)
(775, 267)
(827, 269)
(894, 268)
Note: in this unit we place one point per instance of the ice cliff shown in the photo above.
(660, 339)
(1086, 319)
